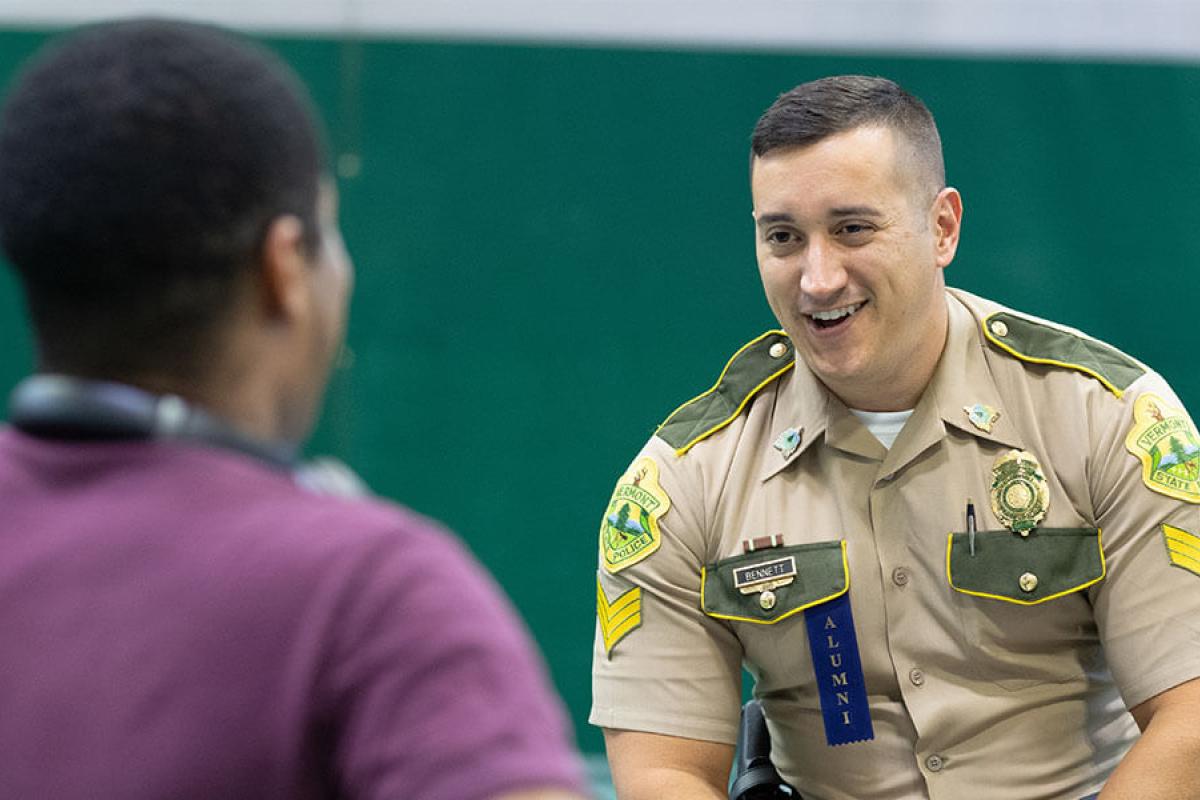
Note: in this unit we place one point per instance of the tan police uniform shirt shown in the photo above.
(988, 688)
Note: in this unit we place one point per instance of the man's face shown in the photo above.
(851, 245)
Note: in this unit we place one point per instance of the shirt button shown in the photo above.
(935, 763)
(900, 576)
(1028, 582)
(778, 350)
(917, 677)
(999, 328)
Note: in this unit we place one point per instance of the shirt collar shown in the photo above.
(800, 419)
(963, 380)
(808, 412)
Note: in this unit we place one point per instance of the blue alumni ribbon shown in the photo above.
(838, 665)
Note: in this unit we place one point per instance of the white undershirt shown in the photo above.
(884, 425)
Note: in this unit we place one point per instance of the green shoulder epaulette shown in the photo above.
(1038, 343)
(752, 367)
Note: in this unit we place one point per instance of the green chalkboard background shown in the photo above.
(554, 250)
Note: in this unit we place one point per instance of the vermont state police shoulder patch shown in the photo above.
(1165, 440)
(629, 531)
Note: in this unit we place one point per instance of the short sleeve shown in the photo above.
(660, 665)
(1146, 493)
(435, 689)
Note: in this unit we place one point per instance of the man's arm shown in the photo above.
(1146, 606)
(650, 766)
(1165, 762)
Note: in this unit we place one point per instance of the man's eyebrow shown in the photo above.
(767, 219)
(855, 211)
(834, 213)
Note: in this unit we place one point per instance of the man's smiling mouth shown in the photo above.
(834, 317)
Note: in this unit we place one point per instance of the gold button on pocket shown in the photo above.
(1028, 582)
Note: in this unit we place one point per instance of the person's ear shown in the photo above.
(284, 267)
(947, 223)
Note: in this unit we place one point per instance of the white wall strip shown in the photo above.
(1134, 29)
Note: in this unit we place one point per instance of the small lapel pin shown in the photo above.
(787, 442)
(982, 417)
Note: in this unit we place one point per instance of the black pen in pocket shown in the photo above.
(971, 525)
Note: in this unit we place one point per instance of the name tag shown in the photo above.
(756, 577)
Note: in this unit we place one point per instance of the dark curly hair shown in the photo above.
(141, 164)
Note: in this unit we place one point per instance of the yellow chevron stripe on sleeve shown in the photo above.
(1183, 548)
(618, 618)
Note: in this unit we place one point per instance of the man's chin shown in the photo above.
(839, 378)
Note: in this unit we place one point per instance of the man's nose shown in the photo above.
(823, 272)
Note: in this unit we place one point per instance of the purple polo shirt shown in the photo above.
(183, 622)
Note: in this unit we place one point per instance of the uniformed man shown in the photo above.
(956, 546)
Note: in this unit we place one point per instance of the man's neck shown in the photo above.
(57, 406)
(903, 389)
(233, 403)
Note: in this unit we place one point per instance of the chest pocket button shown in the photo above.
(1028, 582)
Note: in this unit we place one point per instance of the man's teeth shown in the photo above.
(837, 313)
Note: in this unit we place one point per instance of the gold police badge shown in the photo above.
(629, 531)
(1020, 494)
(1166, 442)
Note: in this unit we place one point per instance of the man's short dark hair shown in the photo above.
(141, 164)
(821, 108)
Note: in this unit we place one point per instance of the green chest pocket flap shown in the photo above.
(769, 585)
(1026, 570)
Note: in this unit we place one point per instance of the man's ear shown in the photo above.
(285, 288)
(947, 224)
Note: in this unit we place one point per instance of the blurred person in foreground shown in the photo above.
(954, 545)
(181, 617)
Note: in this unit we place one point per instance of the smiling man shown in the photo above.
(956, 546)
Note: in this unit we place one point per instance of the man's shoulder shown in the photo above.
(1034, 341)
(209, 518)
(751, 369)
(283, 539)
(228, 498)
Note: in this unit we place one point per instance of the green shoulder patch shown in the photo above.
(752, 367)
(1167, 443)
(1038, 343)
(629, 531)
